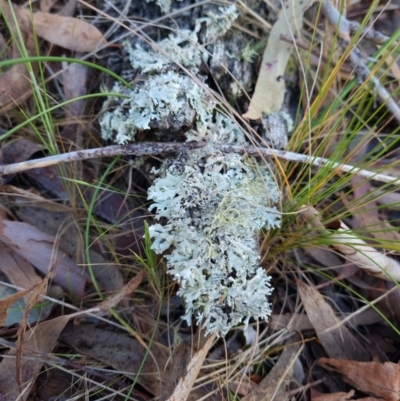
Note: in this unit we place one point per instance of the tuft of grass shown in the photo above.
(353, 127)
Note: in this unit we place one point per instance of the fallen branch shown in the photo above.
(344, 28)
(154, 148)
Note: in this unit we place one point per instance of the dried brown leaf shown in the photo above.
(39, 249)
(15, 84)
(124, 292)
(379, 379)
(19, 150)
(47, 5)
(270, 88)
(75, 85)
(52, 383)
(300, 322)
(242, 387)
(109, 205)
(37, 341)
(184, 366)
(123, 352)
(58, 220)
(8, 302)
(22, 274)
(19, 271)
(68, 8)
(334, 397)
(35, 296)
(71, 33)
(336, 339)
(274, 385)
(107, 274)
(357, 250)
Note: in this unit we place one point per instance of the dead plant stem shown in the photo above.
(154, 148)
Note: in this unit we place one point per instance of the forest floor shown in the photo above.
(96, 96)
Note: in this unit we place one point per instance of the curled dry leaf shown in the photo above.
(365, 256)
(71, 33)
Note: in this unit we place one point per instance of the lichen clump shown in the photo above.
(165, 101)
(211, 205)
(215, 205)
(170, 99)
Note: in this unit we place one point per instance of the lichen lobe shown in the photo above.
(215, 205)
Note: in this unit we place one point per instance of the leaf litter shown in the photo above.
(126, 333)
(39, 249)
(15, 85)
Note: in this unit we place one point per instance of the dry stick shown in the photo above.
(153, 148)
(368, 33)
(352, 26)
(136, 149)
(344, 29)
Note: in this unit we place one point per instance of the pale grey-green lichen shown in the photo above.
(215, 205)
(162, 102)
(169, 99)
(218, 24)
(181, 49)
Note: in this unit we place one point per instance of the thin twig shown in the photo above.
(368, 33)
(136, 149)
(153, 148)
(344, 29)
(346, 26)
